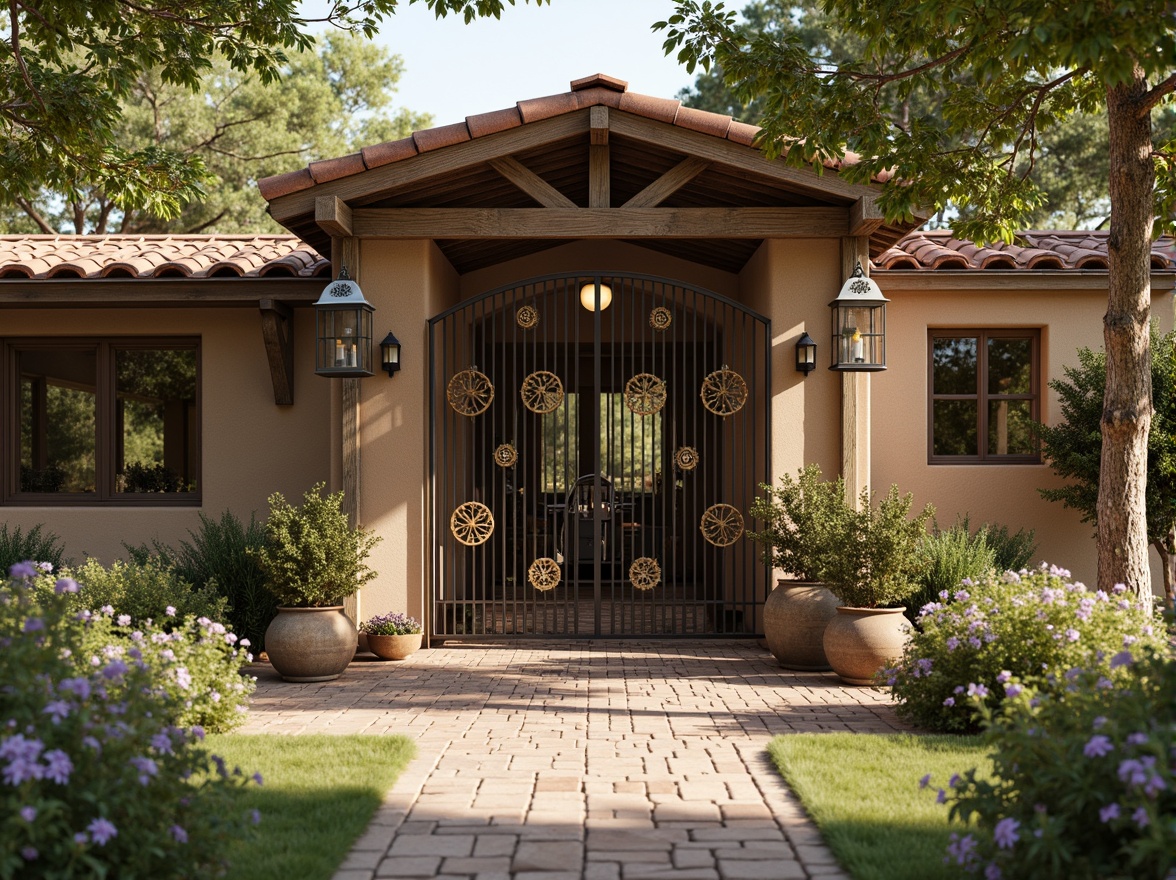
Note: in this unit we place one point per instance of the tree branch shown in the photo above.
(14, 18)
(1160, 91)
(197, 229)
(35, 215)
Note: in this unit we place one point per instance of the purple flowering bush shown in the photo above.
(977, 639)
(95, 777)
(394, 624)
(1084, 781)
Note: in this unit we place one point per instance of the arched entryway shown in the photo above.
(596, 442)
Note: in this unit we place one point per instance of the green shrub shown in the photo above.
(1021, 625)
(312, 556)
(145, 590)
(952, 555)
(34, 545)
(1013, 550)
(97, 780)
(1084, 781)
(800, 520)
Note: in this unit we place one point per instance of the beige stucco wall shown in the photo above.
(1006, 494)
(249, 446)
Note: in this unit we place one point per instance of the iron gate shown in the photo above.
(596, 442)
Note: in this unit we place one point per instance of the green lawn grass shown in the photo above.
(863, 792)
(319, 794)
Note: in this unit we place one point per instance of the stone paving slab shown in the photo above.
(582, 760)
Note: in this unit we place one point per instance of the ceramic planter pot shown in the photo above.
(860, 641)
(394, 647)
(795, 616)
(311, 644)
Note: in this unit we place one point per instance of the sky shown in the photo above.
(454, 70)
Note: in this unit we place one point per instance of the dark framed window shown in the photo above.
(112, 421)
(985, 396)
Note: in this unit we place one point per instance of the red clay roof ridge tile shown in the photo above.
(600, 80)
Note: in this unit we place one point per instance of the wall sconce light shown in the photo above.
(343, 330)
(859, 325)
(390, 354)
(588, 296)
(806, 354)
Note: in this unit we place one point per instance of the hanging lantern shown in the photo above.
(859, 325)
(343, 330)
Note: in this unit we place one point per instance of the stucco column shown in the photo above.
(855, 394)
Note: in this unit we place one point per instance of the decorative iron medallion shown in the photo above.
(472, 523)
(527, 317)
(470, 392)
(686, 458)
(542, 392)
(721, 525)
(645, 394)
(506, 455)
(724, 392)
(544, 574)
(645, 573)
(660, 319)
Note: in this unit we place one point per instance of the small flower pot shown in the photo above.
(394, 647)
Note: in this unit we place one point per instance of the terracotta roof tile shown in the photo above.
(1049, 250)
(388, 152)
(332, 169)
(704, 121)
(600, 80)
(151, 256)
(493, 122)
(592, 97)
(659, 109)
(284, 184)
(536, 109)
(442, 136)
(742, 133)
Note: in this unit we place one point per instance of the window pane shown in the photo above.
(630, 445)
(955, 427)
(1009, 365)
(58, 420)
(954, 365)
(155, 420)
(1009, 427)
(561, 446)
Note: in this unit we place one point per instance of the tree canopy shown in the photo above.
(1004, 72)
(70, 66)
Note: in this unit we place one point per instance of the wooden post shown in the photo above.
(855, 395)
(345, 252)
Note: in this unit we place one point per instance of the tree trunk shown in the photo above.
(1127, 409)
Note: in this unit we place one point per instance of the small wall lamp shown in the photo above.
(390, 354)
(588, 296)
(806, 354)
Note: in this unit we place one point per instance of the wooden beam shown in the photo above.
(123, 293)
(333, 215)
(531, 183)
(855, 395)
(864, 216)
(277, 331)
(601, 223)
(723, 152)
(348, 255)
(373, 183)
(668, 184)
(599, 177)
(598, 126)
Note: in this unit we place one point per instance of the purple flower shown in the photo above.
(977, 690)
(923, 666)
(29, 853)
(1123, 658)
(29, 814)
(146, 767)
(183, 677)
(1135, 772)
(1098, 746)
(1011, 690)
(170, 611)
(925, 781)
(1004, 676)
(23, 570)
(56, 709)
(162, 743)
(33, 624)
(124, 620)
(973, 641)
(255, 817)
(1005, 833)
(992, 872)
(79, 687)
(1140, 817)
(1119, 588)
(962, 849)
(80, 838)
(1108, 813)
(178, 834)
(1098, 722)
(102, 830)
(107, 610)
(22, 756)
(58, 766)
(953, 643)
(257, 778)
(1136, 739)
(1072, 635)
(941, 797)
(949, 702)
(197, 731)
(114, 669)
(65, 585)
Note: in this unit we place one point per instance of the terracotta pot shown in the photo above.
(795, 616)
(860, 641)
(394, 647)
(311, 644)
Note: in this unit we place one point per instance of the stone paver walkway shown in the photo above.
(582, 760)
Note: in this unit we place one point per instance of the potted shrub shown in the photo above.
(312, 558)
(800, 518)
(392, 636)
(875, 567)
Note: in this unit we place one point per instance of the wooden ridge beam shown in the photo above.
(530, 182)
(668, 184)
(277, 331)
(600, 223)
(333, 215)
(599, 176)
(865, 218)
